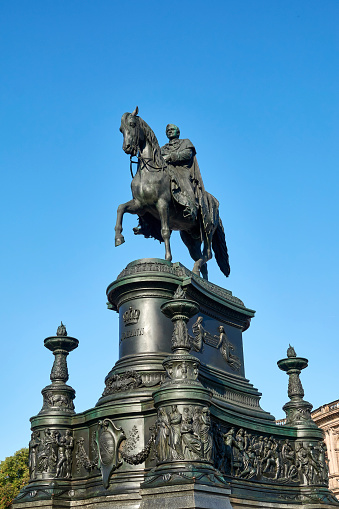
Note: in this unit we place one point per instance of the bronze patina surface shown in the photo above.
(168, 194)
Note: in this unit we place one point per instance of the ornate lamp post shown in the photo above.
(298, 411)
(58, 396)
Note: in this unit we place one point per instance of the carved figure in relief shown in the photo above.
(323, 462)
(34, 445)
(310, 469)
(254, 445)
(205, 434)
(162, 436)
(239, 451)
(265, 457)
(199, 333)
(59, 400)
(218, 446)
(288, 459)
(183, 369)
(52, 453)
(302, 463)
(276, 452)
(201, 336)
(196, 419)
(69, 450)
(62, 459)
(191, 444)
(47, 456)
(250, 463)
(315, 466)
(175, 419)
(230, 444)
(226, 349)
(62, 453)
(183, 436)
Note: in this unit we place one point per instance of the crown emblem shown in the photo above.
(131, 316)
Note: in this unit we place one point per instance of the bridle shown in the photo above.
(145, 161)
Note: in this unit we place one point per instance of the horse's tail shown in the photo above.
(220, 249)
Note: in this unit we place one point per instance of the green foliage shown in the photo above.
(14, 474)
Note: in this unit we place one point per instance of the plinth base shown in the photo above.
(185, 496)
(123, 501)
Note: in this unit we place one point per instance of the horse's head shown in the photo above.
(133, 133)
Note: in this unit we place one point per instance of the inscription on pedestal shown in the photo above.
(132, 333)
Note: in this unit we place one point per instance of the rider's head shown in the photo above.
(172, 131)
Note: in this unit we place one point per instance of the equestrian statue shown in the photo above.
(169, 194)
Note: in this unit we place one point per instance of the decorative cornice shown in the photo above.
(197, 285)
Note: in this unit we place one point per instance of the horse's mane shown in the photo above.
(153, 141)
(150, 137)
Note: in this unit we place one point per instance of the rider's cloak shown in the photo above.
(186, 182)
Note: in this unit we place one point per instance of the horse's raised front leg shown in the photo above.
(163, 211)
(132, 207)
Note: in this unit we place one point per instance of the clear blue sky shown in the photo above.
(254, 85)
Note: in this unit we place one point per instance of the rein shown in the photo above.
(130, 165)
(146, 164)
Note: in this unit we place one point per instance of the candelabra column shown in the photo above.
(52, 442)
(183, 436)
(298, 411)
(58, 396)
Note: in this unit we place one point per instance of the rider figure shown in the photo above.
(187, 185)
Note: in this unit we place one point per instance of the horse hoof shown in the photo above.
(196, 269)
(119, 240)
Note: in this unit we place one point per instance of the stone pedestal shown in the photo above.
(178, 423)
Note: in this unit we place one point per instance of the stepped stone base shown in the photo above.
(184, 497)
(124, 501)
(254, 504)
(188, 496)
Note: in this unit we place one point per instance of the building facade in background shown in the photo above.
(327, 418)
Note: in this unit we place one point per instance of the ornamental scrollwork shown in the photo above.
(132, 440)
(122, 382)
(81, 457)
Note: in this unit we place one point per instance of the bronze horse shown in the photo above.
(153, 202)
